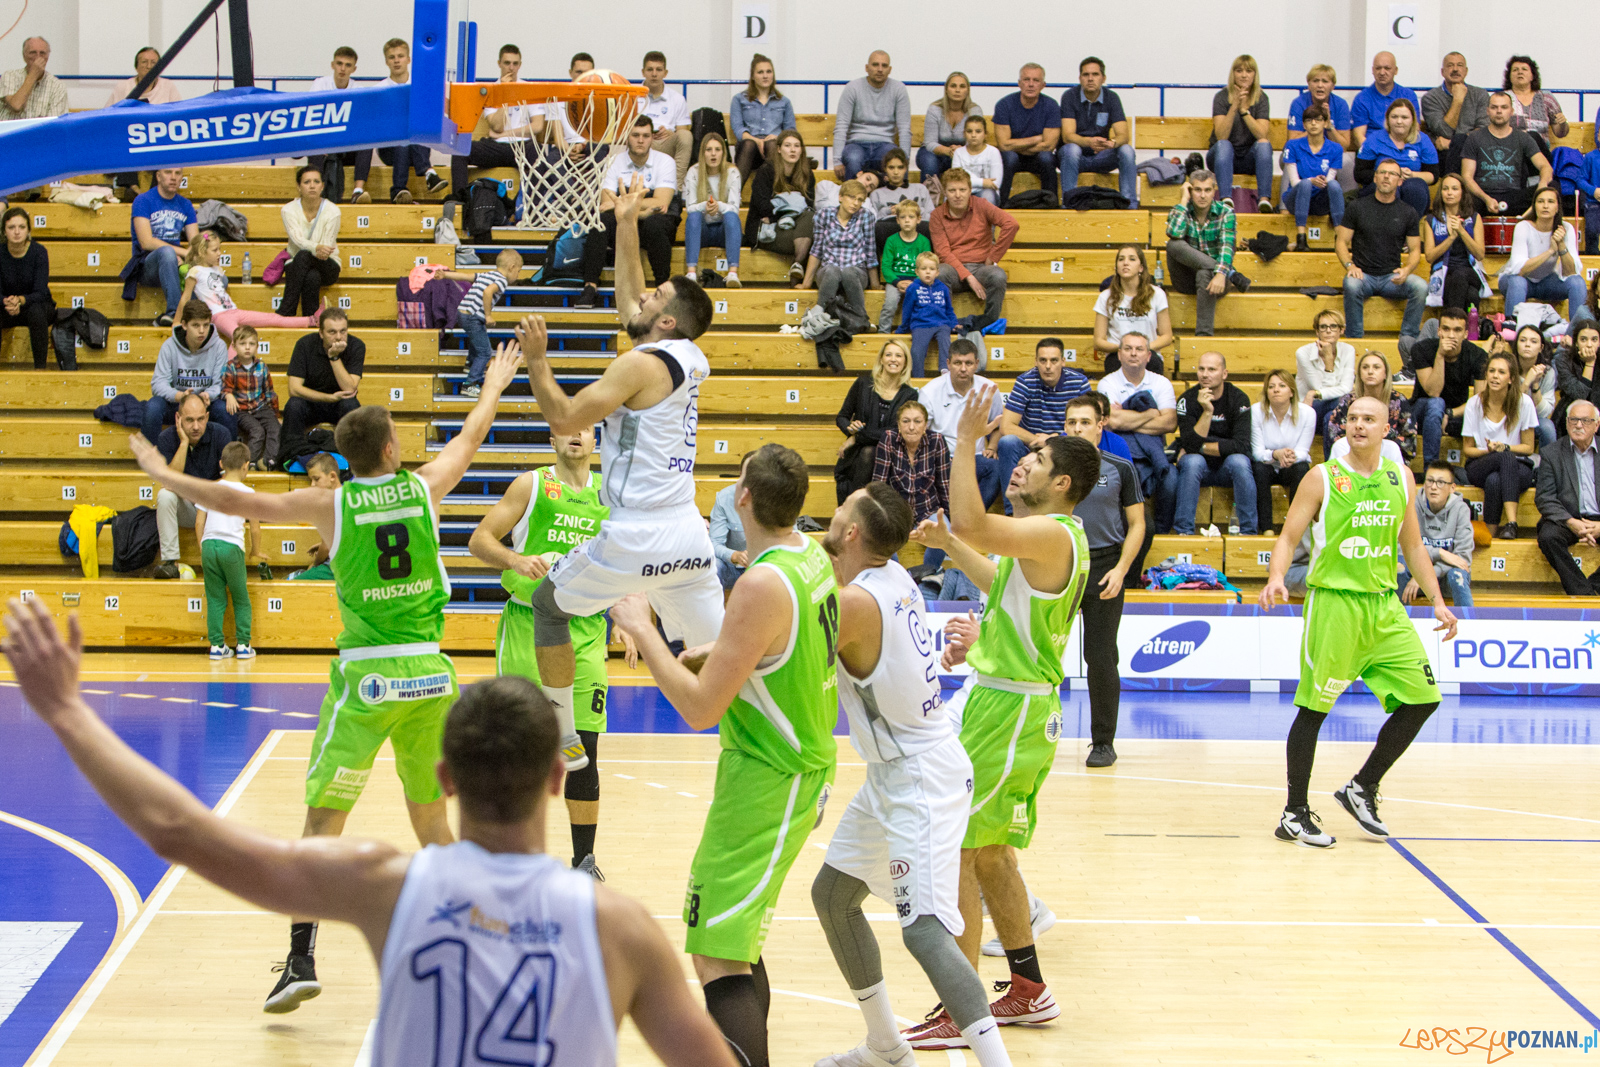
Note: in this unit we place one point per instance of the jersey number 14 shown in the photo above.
(514, 1031)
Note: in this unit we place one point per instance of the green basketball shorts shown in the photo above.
(514, 654)
(1361, 635)
(1011, 740)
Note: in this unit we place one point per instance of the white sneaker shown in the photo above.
(1039, 916)
(572, 752)
(472, 391)
(864, 1055)
(1299, 826)
(221, 652)
(244, 652)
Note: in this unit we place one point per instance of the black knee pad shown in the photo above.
(585, 784)
(551, 625)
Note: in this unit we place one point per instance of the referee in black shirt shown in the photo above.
(1113, 519)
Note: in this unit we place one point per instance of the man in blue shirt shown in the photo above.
(1036, 407)
(1372, 103)
(163, 225)
(1094, 133)
(1320, 81)
(1027, 128)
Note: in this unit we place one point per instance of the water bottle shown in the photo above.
(246, 276)
(1472, 324)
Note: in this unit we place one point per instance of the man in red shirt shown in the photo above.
(963, 233)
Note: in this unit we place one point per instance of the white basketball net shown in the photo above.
(560, 185)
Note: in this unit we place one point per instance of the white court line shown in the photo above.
(364, 1057)
(108, 969)
(122, 889)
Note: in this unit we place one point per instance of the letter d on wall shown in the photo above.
(751, 32)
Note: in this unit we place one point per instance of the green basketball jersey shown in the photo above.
(785, 714)
(558, 519)
(1024, 632)
(392, 584)
(1356, 535)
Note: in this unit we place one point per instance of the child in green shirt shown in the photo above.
(899, 265)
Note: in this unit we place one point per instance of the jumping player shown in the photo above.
(654, 539)
(390, 681)
(1359, 510)
(546, 512)
(900, 837)
(768, 685)
(1011, 718)
(489, 951)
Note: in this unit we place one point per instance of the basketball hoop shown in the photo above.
(560, 178)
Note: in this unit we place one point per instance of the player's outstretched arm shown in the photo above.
(1302, 510)
(935, 533)
(324, 877)
(314, 506)
(1421, 567)
(443, 472)
(485, 543)
(628, 274)
(629, 374)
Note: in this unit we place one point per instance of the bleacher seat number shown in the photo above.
(1453, 455)
(1057, 267)
(196, 605)
(344, 303)
(419, 261)
(997, 354)
(113, 602)
(403, 348)
(263, 347)
(274, 603)
(277, 301)
(110, 391)
(288, 548)
(363, 221)
(722, 307)
(722, 264)
(396, 395)
(1264, 558)
(226, 259)
(1590, 272)
(1314, 233)
(86, 440)
(77, 301)
(1070, 355)
(39, 221)
(183, 183)
(1184, 557)
(69, 492)
(791, 396)
(355, 261)
(94, 259)
(791, 307)
(123, 348)
(719, 447)
(427, 223)
(25, 595)
(1497, 563)
(147, 492)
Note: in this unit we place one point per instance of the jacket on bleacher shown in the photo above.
(179, 367)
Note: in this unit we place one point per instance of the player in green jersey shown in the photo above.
(1359, 509)
(546, 512)
(1011, 719)
(769, 685)
(390, 681)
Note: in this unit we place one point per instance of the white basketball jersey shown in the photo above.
(647, 457)
(896, 710)
(493, 958)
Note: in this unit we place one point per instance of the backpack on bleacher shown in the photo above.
(134, 539)
(487, 207)
(706, 120)
(227, 222)
(1032, 199)
(563, 258)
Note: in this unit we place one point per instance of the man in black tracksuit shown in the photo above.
(1214, 445)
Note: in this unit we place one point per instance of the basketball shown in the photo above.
(592, 122)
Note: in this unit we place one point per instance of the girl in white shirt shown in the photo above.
(208, 284)
(1281, 429)
(711, 189)
(1133, 303)
(1544, 263)
(980, 160)
(1497, 441)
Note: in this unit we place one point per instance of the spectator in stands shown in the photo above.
(1498, 443)
(1497, 161)
(1452, 240)
(1544, 263)
(1027, 130)
(1446, 526)
(1110, 443)
(1281, 429)
(1533, 110)
(981, 160)
(161, 91)
(895, 189)
(1449, 369)
(474, 312)
(1372, 379)
(1144, 409)
(1200, 246)
(774, 222)
(897, 264)
(841, 261)
(944, 126)
(874, 115)
(1325, 369)
(669, 111)
(1241, 133)
(658, 175)
(963, 231)
(207, 283)
(946, 395)
(1214, 445)
(1400, 140)
(1453, 110)
(1575, 371)
(194, 446)
(1569, 511)
(916, 464)
(1131, 302)
(1320, 81)
(248, 394)
(870, 410)
(1536, 368)
(323, 470)
(324, 380)
(1372, 103)
(25, 287)
(405, 158)
(163, 223)
(727, 534)
(343, 66)
(929, 314)
(30, 91)
(1311, 174)
(1380, 249)
(758, 115)
(222, 560)
(1588, 183)
(312, 227)
(712, 194)
(506, 125)
(190, 361)
(1094, 133)
(1036, 407)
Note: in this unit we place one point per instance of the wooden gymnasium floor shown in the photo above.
(1187, 934)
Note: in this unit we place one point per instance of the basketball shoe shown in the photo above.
(1025, 1001)
(1362, 805)
(1300, 825)
(297, 983)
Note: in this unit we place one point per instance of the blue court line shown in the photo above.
(1510, 946)
(1518, 840)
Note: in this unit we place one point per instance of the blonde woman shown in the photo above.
(1325, 369)
(1131, 302)
(1281, 428)
(1372, 379)
(869, 411)
(1401, 140)
(1241, 133)
(943, 125)
(711, 189)
(1497, 440)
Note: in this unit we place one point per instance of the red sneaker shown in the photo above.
(937, 1032)
(1025, 1001)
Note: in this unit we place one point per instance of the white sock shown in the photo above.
(983, 1037)
(883, 1033)
(560, 698)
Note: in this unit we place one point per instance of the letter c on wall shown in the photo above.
(1404, 28)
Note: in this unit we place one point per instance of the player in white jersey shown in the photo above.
(489, 951)
(901, 835)
(655, 541)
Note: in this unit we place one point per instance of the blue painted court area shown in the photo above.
(205, 733)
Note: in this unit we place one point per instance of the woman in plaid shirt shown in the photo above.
(247, 391)
(916, 464)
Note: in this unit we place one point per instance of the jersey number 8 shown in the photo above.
(394, 562)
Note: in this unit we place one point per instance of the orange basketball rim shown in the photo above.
(469, 100)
